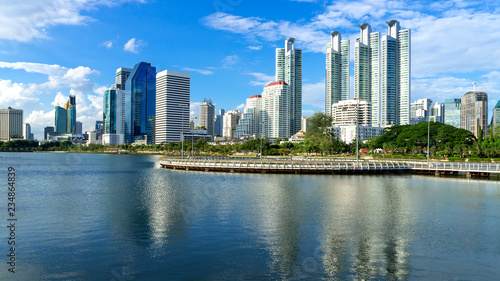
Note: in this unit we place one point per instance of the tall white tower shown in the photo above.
(337, 71)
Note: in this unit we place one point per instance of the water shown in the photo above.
(121, 217)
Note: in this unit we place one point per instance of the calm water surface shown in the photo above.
(120, 217)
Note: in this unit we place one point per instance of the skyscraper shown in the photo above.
(218, 123)
(109, 112)
(140, 103)
(65, 118)
(337, 71)
(79, 127)
(274, 112)
(496, 116)
(474, 112)
(26, 131)
(249, 124)
(172, 106)
(122, 75)
(11, 123)
(207, 116)
(396, 75)
(289, 70)
(230, 121)
(452, 108)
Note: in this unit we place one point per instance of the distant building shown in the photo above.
(112, 139)
(140, 103)
(11, 123)
(305, 123)
(424, 110)
(275, 111)
(173, 89)
(298, 137)
(496, 116)
(26, 131)
(452, 108)
(122, 75)
(348, 133)
(249, 124)
(352, 112)
(231, 120)
(46, 131)
(474, 112)
(65, 118)
(218, 123)
(79, 128)
(207, 116)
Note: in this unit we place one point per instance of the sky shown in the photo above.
(56, 48)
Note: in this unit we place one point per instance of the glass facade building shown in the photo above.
(452, 108)
(109, 112)
(140, 103)
(496, 116)
(61, 120)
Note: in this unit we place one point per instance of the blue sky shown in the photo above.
(51, 50)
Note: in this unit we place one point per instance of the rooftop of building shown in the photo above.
(277, 83)
(498, 104)
(255, 96)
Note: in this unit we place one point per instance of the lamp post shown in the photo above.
(260, 141)
(428, 138)
(182, 130)
(192, 146)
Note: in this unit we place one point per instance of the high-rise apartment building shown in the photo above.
(275, 108)
(396, 75)
(79, 127)
(337, 71)
(496, 116)
(230, 121)
(367, 69)
(140, 103)
(109, 112)
(452, 108)
(11, 123)
(352, 112)
(474, 112)
(173, 90)
(249, 124)
(218, 123)
(289, 70)
(207, 116)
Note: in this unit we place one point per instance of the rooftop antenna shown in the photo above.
(474, 83)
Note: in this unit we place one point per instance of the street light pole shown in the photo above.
(182, 130)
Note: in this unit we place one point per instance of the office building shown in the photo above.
(395, 76)
(173, 90)
(230, 121)
(218, 123)
(65, 118)
(140, 103)
(26, 131)
(367, 69)
(79, 128)
(289, 70)
(352, 112)
(495, 122)
(46, 131)
(207, 116)
(11, 123)
(337, 71)
(249, 124)
(348, 134)
(474, 112)
(122, 75)
(275, 110)
(452, 109)
(109, 112)
(305, 123)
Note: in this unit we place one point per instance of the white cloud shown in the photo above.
(134, 46)
(201, 71)
(27, 96)
(240, 107)
(255, 48)
(261, 79)
(26, 20)
(108, 44)
(228, 61)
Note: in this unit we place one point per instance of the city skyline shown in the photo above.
(47, 56)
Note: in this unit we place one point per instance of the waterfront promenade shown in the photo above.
(331, 166)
